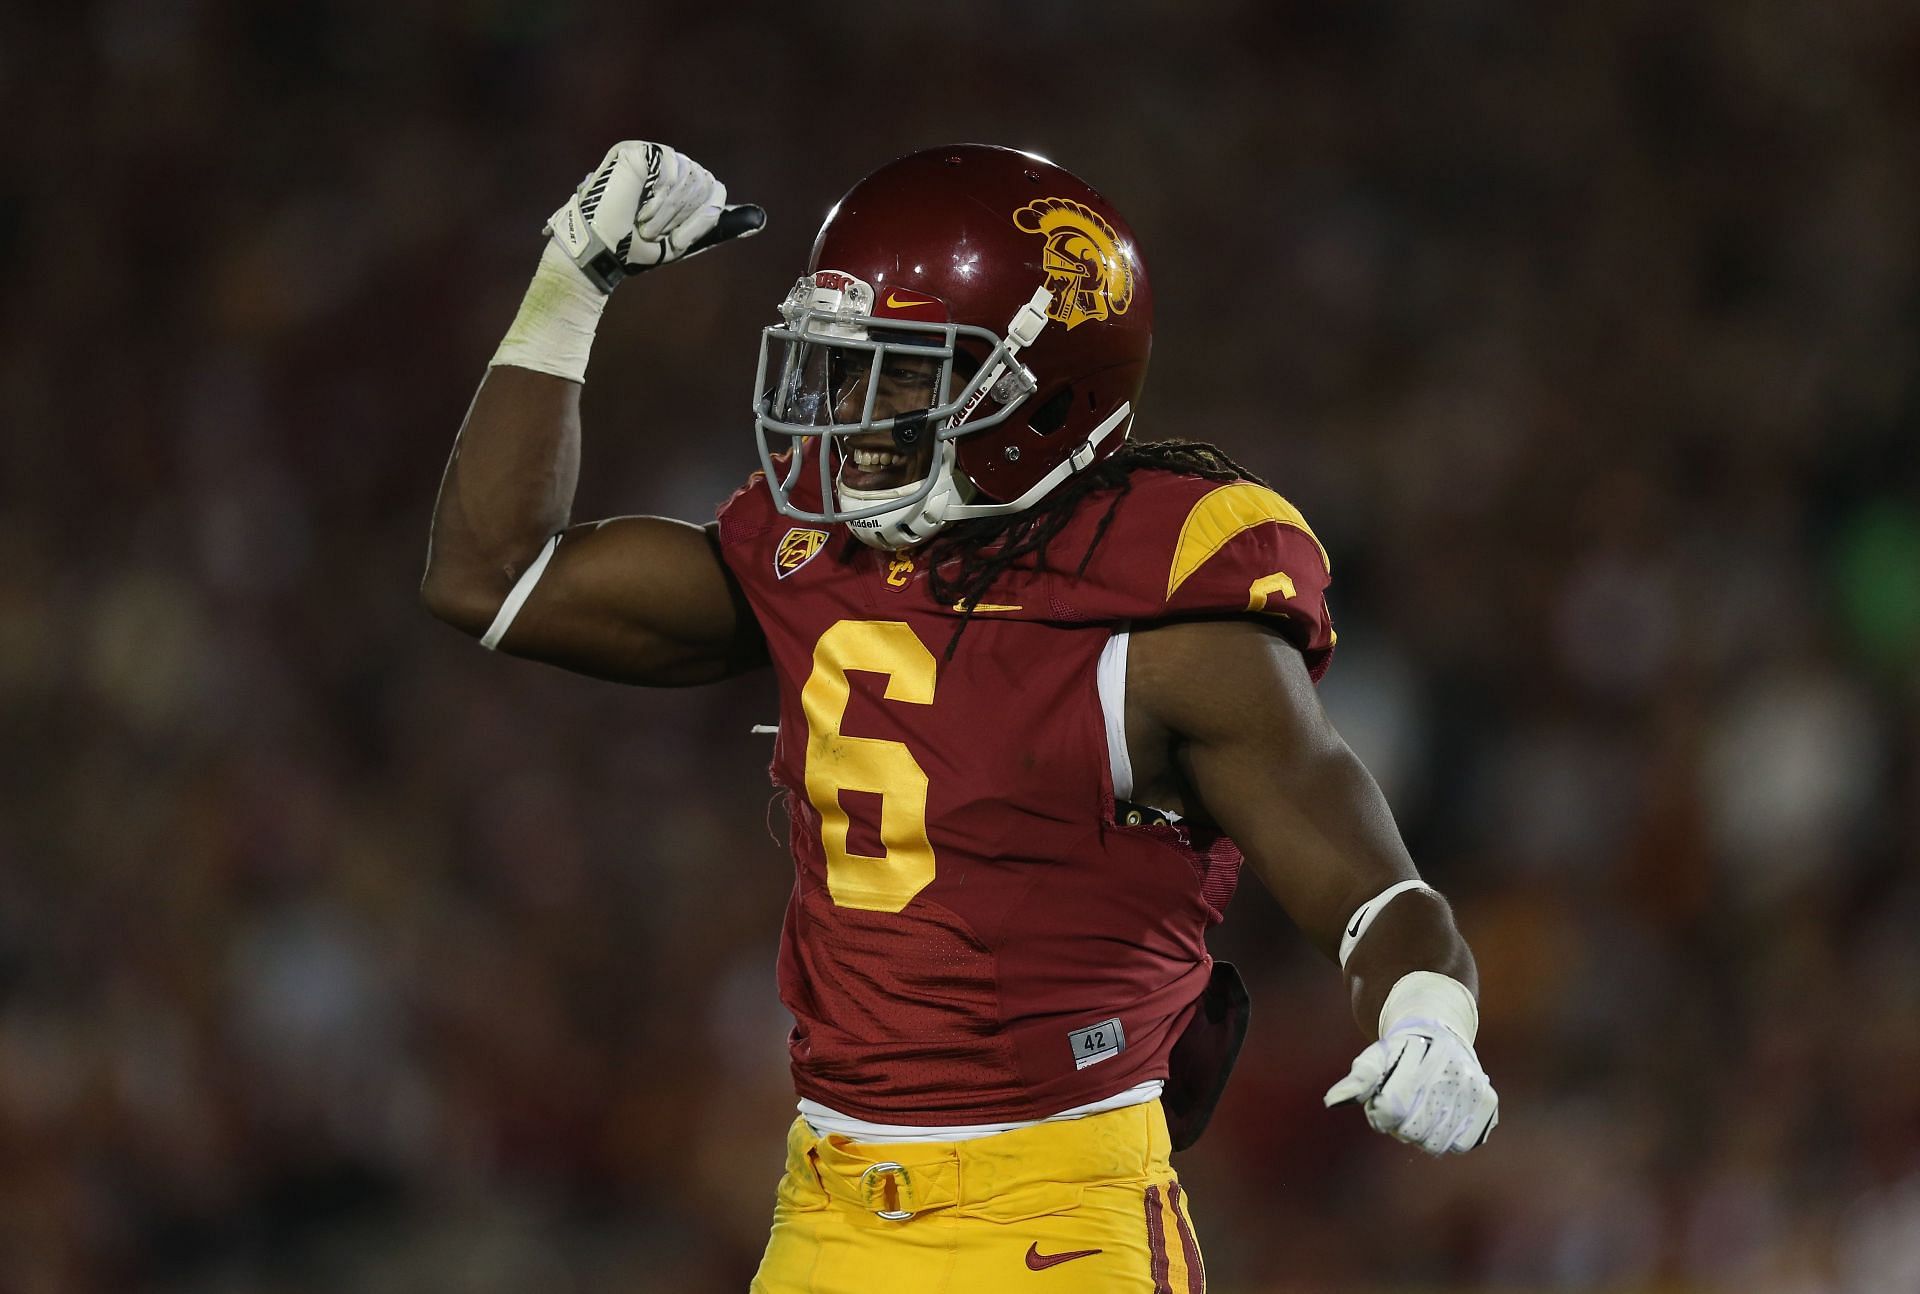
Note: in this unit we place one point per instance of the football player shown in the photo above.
(1042, 688)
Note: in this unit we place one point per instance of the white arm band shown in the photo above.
(517, 596)
(1429, 995)
(1364, 914)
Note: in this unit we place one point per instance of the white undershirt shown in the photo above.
(826, 1122)
(1111, 677)
(1111, 674)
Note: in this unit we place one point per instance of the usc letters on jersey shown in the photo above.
(972, 936)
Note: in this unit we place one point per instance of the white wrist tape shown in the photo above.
(1429, 995)
(554, 330)
(1364, 914)
(517, 596)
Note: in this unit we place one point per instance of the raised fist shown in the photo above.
(646, 205)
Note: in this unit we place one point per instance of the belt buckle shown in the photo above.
(868, 1185)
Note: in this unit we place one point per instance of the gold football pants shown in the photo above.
(1085, 1206)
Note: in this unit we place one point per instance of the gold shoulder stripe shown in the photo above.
(1223, 513)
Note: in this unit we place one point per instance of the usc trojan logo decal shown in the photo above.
(797, 547)
(1088, 274)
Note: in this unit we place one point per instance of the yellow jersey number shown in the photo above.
(837, 762)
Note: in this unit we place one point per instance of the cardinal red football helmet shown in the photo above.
(1020, 280)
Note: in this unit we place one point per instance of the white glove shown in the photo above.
(1422, 1081)
(646, 205)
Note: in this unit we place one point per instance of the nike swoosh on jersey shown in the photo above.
(961, 606)
(1039, 1262)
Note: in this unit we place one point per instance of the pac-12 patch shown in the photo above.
(796, 548)
(1096, 1042)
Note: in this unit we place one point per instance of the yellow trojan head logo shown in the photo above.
(1088, 274)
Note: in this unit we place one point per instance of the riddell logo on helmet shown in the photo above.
(1088, 274)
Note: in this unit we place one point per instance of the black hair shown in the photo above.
(966, 558)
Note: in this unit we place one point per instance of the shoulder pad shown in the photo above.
(1182, 546)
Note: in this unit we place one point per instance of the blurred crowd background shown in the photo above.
(338, 956)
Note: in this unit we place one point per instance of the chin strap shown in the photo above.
(946, 503)
(916, 521)
(1022, 331)
(1079, 460)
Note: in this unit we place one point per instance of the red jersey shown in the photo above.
(972, 936)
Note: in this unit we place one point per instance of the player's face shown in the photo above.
(906, 384)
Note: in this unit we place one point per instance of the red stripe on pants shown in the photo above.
(1157, 1242)
(1196, 1269)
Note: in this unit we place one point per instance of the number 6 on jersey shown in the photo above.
(836, 763)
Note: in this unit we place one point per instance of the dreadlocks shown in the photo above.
(964, 560)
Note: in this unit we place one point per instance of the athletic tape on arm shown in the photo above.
(553, 332)
(1429, 995)
(517, 596)
(1364, 914)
